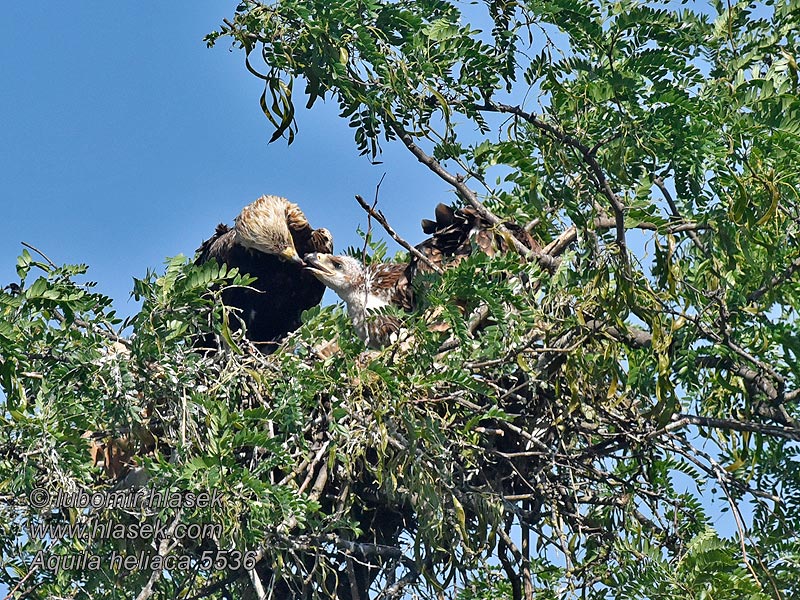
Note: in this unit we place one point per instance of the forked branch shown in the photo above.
(381, 218)
(464, 191)
(588, 155)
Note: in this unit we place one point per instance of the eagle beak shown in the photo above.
(315, 265)
(291, 255)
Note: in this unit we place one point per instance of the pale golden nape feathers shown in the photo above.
(295, 218)
(264, 225)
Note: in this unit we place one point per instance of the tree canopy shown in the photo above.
(611, 415)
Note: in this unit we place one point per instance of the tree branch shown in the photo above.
(164, 548)
(20, 582)
(588, 155)
(682, 420)
(380, 218)
(787, 273)
(547, 262)
(634, 337)
(570, 234)
(772, 410)
(40, 253)
(396, 589)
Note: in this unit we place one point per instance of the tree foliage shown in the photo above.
(593, 408)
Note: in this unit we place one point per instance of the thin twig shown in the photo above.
(368, 234)
(164, 548)
(380, 218)
(20, 582)
(40, 253)
(737, 517)
(659, 182)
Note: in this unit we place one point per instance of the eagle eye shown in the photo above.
(337, 266)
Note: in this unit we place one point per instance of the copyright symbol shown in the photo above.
(39, 498)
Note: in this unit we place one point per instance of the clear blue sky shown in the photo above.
(126, 140)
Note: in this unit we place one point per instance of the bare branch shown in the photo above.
(351, 575)
(40, 253)
(166, 546)
(547, 262)
(380, 218)
(258, 587)
(396, 589)
(524, 563)
(785, 275)
(570, 234)
(682, 420)
(513, 576)
(20, 582)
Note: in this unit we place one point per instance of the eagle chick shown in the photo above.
(365, 290)
(455, 235)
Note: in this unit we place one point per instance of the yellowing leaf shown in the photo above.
(735, 465)
(461, 518)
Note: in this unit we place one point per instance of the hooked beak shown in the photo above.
(291, 255)
(315, 265)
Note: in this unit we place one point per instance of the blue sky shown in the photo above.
(126, 140)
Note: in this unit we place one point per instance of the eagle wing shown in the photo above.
(457, 232)
(382, 329)
(307, 239)
(389, 281)
(218, 245)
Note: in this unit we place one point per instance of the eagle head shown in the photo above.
(364, 289)
(264, 225)
(343, 274)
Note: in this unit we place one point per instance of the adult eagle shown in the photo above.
(366, 289)
(267, 240)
